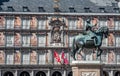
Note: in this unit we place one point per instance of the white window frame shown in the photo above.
(41, 40)
(102, 23)
(72, 24)
(105, 42)
(71, 40)
(9, 58)
(117, 24)
(26, 58)
(9, 23)
(26, 39)
(25, 23)
(41, 58)
(118, 58)
(10, 40)
(117, 41)
(104, 58)
(42, 24)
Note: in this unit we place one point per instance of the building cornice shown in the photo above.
(60, 14)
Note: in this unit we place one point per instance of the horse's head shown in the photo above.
(104, 30)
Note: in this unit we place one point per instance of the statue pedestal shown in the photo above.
(86, 68)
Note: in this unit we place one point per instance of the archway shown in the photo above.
(8, 73)
(105, 73)
(56, 73)
(70, 74)
(40, 73)
(24, 73)
(117, 73)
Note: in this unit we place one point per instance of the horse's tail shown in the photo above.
(73, 49)
(73, 44)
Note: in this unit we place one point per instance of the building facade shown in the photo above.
(28, 38)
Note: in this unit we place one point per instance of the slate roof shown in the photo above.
(64, 5)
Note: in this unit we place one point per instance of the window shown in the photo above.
(117, 25)
(10, 9)
(41, 24)
(72, 24)
(117, 41)
(88, 57)
(104, 58)
(102, 10)
(41, 9)
(41, 57)
(116, 10)
(72, 9)
(26, 58)
(9, 23)
(26, 40)
(103, 23)
(87, 10)
(26, 23)
(9, 58)
(25, 9)
(70, 40)
(41, 40)
(10, 40)
(104, 42)
(118, 58)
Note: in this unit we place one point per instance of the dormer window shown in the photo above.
(87, 10)
(10, 8)
(116, 10)
(25, 9)
(102, 10)
(41, 9)
(72, 9)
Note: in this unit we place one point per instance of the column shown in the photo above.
(65, 73)
(111, 73)
(31, 74)
(0, 72)
(49, 74)
(16, 73)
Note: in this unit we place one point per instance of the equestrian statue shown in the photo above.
(89, 39)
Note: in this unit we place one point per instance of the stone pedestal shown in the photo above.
(87, 68)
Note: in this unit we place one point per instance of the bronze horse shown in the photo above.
(90, 40)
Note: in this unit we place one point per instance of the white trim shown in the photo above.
(47, 13)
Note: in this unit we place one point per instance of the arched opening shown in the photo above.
(117, 73)
(70, 73)
(24, 73)
(8, 74)
(105, 73)
(40, 73)
(56, 73)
